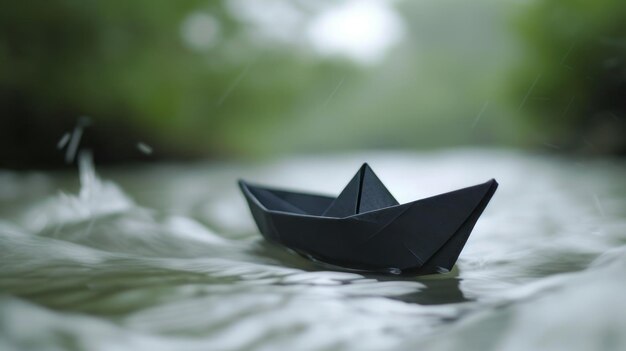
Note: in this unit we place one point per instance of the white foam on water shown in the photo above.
(99, 270)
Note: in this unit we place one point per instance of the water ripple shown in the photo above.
(183, 267)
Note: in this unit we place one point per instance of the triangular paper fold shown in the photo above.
(364, 228)
(365, 192)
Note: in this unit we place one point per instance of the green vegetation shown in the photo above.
(579, 50)
(458, 77)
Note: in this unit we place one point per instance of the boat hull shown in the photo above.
(421, 237)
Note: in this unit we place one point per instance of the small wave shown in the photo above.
(99, 270)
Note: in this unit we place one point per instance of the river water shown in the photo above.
(167, 258)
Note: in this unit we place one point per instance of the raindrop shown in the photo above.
(442, 270)
(63, 141)
(394, 271)
(74, 141)
(144, 148)
(532, 86)
(480, 114)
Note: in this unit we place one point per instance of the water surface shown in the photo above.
(168, 258)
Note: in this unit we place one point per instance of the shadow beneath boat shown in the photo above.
(437, 292)
(438, 288)
(283, 256)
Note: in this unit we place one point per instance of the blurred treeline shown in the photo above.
(224, 79)
(577, 49)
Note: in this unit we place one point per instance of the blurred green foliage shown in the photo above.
(124, 65)
(577, 49)
(461, 76)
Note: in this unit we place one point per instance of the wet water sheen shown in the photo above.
(168, 258)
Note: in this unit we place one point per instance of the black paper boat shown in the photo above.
(365, 228)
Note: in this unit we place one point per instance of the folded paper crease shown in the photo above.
(365, 228)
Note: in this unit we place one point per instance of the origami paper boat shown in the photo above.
(364, 228)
